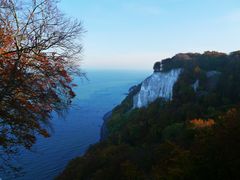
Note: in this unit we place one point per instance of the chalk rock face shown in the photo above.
(195, 85)
(159, 84)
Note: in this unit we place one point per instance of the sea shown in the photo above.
(79, 127)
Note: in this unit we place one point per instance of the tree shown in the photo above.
(39, 53)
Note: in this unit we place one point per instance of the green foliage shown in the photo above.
(173, 131)
(159, 142)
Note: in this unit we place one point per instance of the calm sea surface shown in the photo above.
(81, 127)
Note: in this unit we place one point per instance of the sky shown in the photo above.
(133, 34)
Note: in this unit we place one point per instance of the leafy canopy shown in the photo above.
(39, 53)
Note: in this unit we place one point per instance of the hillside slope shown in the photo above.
(192, 134)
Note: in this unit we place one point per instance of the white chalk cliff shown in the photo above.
(159, 84)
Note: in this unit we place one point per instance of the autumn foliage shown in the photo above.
(200, 123)
(39, 53)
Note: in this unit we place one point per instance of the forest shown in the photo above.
(193, 136)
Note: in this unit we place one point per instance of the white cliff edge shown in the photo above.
(159, 84)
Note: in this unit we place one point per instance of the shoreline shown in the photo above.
(104, 131)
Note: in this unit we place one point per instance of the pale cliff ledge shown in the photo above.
(158, 85)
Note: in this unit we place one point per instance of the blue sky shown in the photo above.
(133, 34)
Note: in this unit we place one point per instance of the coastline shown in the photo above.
(104, 131)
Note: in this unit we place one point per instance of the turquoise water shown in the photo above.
(80, 128)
